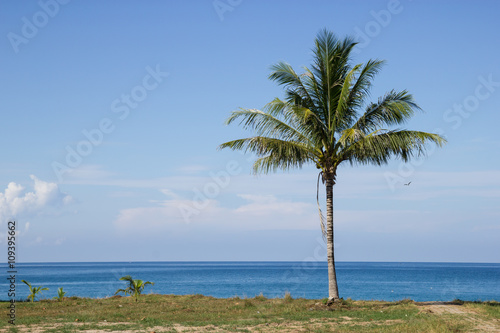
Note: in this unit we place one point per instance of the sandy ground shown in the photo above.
(480, 325)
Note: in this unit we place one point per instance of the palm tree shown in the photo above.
(326, 119)
(34, 290)
(135, 287)
(60, 294)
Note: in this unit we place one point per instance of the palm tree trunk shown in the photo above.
(333, 290)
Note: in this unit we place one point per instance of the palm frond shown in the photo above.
(378, 147)
(285, 75)
(265, 124)
(350, 136)
(127, 278)
(344, 114)
(361, 88)
(330, 67)
(277, 153)
(125, 291)
(393, 108)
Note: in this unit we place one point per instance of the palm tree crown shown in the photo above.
(326, 118)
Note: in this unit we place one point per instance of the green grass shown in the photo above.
(202, 313)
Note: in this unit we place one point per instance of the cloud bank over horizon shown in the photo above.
(257, 212)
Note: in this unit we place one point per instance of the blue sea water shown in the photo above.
(357, 280)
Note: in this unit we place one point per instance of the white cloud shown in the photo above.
(192, 169)
(265, 205)
(165, 214)
(358, 182)
(424, 205)
(257, 213)
(60, 241)
(384, 220)
(87, 173)
(266, 212)
(169, 193)
(15, 201)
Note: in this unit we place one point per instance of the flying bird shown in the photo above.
(408, 184)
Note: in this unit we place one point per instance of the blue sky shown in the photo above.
(112, 113)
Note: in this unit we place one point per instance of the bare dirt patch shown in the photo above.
(478, 320)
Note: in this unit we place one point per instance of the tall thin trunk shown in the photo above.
(333, 290)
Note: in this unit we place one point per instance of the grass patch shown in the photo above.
(201, 313)
(288, 297)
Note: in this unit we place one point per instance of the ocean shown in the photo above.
(357, 280)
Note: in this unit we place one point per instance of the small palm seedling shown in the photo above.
(34, 290)
(60, 294)
(134, 288)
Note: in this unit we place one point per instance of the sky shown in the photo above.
(112, 112)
